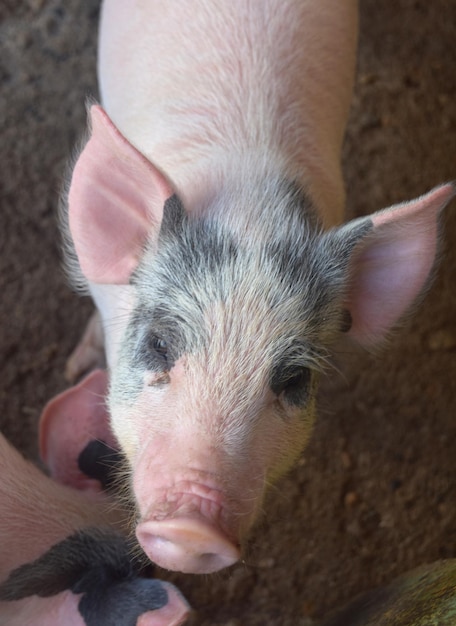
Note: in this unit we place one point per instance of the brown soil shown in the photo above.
(374, 493)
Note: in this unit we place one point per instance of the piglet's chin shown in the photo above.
(187, 544)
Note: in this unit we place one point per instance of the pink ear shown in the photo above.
(116, 199)
(68, 423)
(394, 262)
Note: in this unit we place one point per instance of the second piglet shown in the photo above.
(64, 563)
(204, 216)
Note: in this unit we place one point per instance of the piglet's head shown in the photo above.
(235, 310)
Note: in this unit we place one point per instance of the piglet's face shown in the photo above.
(235, 305)
(213, 394)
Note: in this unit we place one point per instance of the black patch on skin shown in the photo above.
(97, 563)
(121, 603)
(202, 255)
(70, 561)
(201, 251)
(101, 462)
(345, 238)
(173, 215)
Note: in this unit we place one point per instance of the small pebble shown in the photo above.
(266, 563)
(387, 521)
(346, 460)
(351, 498)
(368, 79)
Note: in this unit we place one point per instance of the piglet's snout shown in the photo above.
(188, 544)
(190, 517)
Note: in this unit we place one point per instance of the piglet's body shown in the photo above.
(63, 564)
(204, 217)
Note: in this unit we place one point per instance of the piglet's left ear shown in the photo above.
(68, 423)
(116, 199)
(392, 261)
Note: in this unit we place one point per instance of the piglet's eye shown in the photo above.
(160, 346)
(293, 387)
(297, 382)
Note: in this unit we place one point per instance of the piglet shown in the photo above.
(62, 561)
(204, 215)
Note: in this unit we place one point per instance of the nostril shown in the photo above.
(187, 545)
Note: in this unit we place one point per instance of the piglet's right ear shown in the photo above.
(116, 199)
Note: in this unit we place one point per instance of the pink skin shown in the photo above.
(186, 527)
(188, 522)
(77, 416)
(27, 494)
(68, 423)
(201, 454)
(189, 526)
(62, 610)
(391, 274)
(35, 514)
(34, 611)
(201, 451)
(206, 492)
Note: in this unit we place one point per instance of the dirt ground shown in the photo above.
(374, 494)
